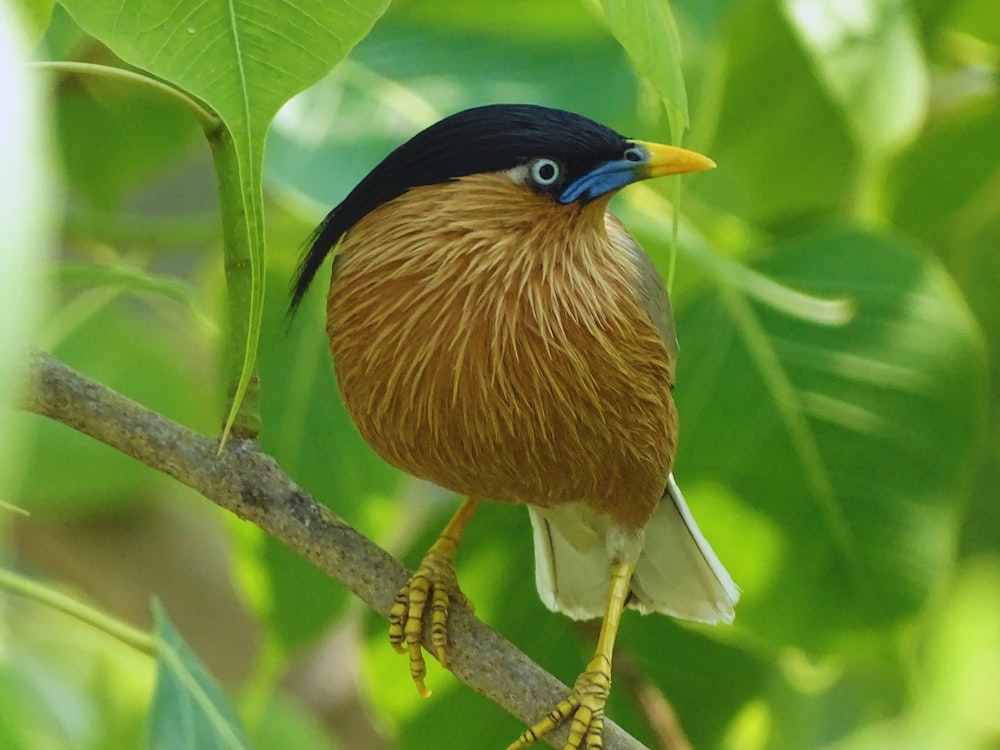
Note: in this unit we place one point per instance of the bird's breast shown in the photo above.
(503, 357)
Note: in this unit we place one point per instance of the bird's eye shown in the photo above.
(544, 172)
(634, 153)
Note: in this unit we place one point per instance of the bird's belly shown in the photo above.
(511, 410)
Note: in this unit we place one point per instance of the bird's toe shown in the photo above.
(431, 589)
(583, 708)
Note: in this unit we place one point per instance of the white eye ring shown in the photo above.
(544, 172)
(634, 153)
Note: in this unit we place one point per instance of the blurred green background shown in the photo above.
(837, 292)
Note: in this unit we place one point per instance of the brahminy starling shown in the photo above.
(495, 330)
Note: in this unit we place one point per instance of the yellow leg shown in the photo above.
(434, 579)
(584, 706)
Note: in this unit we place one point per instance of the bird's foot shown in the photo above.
(433, 581)
(583, 708)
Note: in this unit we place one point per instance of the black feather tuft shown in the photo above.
(475, 141)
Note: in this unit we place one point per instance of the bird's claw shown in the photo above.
(583, 708)
(434, 581)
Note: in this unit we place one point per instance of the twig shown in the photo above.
(249, 483)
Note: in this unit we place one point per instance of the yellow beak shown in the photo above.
(666, 160)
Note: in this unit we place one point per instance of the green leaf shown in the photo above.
(783, 149)
(165, 369)
(648, 32)
(34, 16)
(26, 720)
(706, 682)
(113, 137)
(944, 185)
(189, 708)
(853, 437)
(290, 724)
(868, 55)
(244, 61)
(137, 282)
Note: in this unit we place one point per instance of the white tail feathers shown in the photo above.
(676, 573)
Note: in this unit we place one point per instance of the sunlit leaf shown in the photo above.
(868, 55)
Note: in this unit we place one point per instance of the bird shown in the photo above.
(496, 331)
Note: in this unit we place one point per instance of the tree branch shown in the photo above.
(250, 484)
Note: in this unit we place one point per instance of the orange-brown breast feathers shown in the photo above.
(497, 344)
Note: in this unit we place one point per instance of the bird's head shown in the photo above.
(564, 156)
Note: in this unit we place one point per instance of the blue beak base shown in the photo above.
(657, 160)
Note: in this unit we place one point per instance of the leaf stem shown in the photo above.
(208, 120)
(245, 299)
(30, 589)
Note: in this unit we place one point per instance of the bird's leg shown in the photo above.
(584, 706)
(435, 580)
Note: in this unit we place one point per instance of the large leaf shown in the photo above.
(189, 709)
(34, 15)
(851, 437)
(245, 60)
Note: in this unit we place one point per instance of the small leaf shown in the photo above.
(138, 282)
(189, 711)
(648, 32)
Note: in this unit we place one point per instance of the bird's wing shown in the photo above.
(651, 291)
(678, 572)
